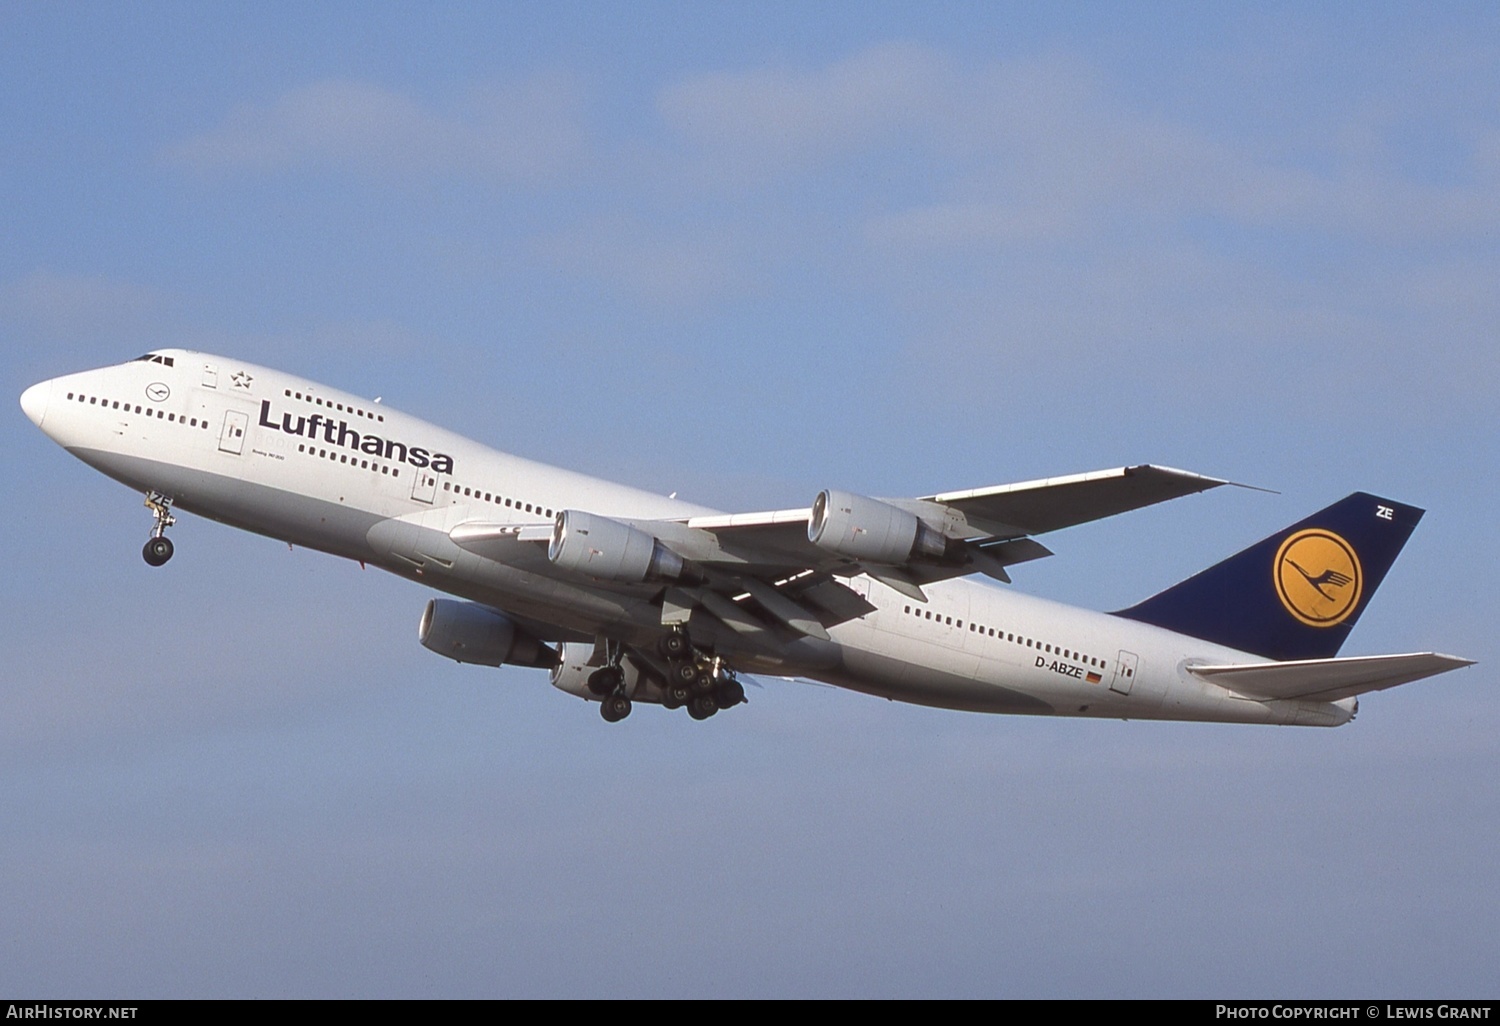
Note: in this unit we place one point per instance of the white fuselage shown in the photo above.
(282, 456)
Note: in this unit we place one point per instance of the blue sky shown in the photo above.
(746, 252)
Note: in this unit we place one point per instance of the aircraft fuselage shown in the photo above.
(290, 459)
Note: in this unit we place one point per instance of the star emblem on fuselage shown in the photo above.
(242, 379)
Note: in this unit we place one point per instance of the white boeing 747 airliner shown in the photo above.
(627, 596)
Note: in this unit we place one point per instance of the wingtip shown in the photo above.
(1254, 488)
(1207, 481)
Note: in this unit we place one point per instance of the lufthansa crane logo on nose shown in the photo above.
(157, 392)
(1318, 577)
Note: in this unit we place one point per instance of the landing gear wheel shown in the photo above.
(614, 708)
(675, 645)
(704, 683)
(730, 694)
(157, 550)
(605, 680)
(703, 707)
(681, 694)
(685, 673)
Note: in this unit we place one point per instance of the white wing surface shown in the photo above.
(780, 569)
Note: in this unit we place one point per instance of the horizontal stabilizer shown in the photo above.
(1327, 680)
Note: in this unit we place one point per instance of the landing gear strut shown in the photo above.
(608, 682)
(159, 548)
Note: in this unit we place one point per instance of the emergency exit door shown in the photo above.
(232, 437)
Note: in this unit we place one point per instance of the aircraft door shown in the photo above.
(424, 485)
(1125, 667)
(232, 437)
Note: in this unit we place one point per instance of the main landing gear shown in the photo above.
(159, 549)
(608, 682)
(696, 680)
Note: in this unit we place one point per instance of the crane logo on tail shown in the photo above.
(1317, 577)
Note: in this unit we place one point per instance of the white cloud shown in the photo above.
(1046, 147)
(1032, 200)
(961, 223)
(526, 132)
(769, 119)
(646, 262)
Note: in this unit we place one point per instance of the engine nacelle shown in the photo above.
(871, 531)
(596, 546)
(580, 659)
(470, 633)
(571, 674)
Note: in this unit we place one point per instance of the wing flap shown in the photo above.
(1327, 680)
(784, 609)
(839, 602)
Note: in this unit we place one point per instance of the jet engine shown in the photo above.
(871, 531)
(470, 633)
(596, 546)
(580, 660)
(571, 674)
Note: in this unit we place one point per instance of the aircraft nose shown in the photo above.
(34, 402)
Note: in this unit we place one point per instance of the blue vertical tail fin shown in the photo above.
(1296, 594)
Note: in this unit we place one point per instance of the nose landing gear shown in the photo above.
(157, 551)
(159, 548)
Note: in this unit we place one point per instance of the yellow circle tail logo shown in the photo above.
(1318, 577)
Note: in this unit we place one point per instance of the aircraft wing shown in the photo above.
(1037, 507)
(751, 570)
(996, 512)
(992, 526)
(1327, 680)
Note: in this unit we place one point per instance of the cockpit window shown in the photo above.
(165, 361)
